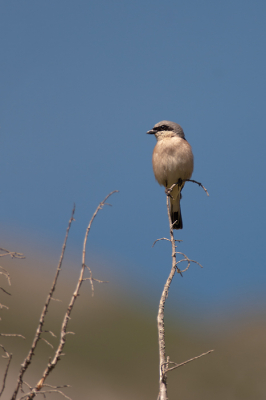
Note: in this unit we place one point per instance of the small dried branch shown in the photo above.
(180, 182)
(12, 335)
(188, 260)
(91, 279)
(52, 298)
(157, 240)
(12, 254)
(44, 392)
(38, 333)
(46, 341)
(4, 272)
(198, 183)
(185, 362)
(56, 387)
(59, 351)
(27, 384)
(168, 240)
(51, 333)
(5, 291)
(9, 357)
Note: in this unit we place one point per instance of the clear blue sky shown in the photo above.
(82, 82)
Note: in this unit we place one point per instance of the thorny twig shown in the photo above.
(58, 353)
(38, 333)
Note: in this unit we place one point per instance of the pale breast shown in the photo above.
(172, 159)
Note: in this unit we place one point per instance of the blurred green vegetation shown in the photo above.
(114, 352)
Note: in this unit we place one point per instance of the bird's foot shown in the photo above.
(168, 192)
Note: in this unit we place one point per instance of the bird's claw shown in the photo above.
(168, 192)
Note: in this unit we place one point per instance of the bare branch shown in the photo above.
(189, 261)
(186, 362)
(180, 182)
(44, 392)
(12, 254)
(59, 351)
(198, 183)
(157, 240)
(5, 291)
(164, 361)
(37, 336)
(51, 333)
(56, 387)
(46, 341)
(9, 356)
(100, 206)
(91, 279)
(52, 298)
(12, 335)
(4, 272)
(168, 240)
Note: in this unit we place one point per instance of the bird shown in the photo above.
(173, 162)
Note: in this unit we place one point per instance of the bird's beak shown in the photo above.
(151, 132)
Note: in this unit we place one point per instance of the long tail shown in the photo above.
(175, 209)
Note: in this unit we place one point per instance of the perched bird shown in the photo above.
(172, 162)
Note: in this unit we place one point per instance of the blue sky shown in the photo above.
(82, 82)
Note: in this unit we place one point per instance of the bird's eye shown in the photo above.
(164, 128)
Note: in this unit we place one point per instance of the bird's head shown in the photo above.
(165, 129)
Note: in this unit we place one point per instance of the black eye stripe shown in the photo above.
(163, 128)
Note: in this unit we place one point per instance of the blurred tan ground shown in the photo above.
(114, 354)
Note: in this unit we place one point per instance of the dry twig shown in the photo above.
(169, 190)
(12, 254)
(4, 272)
(185, 362)
(38, 333)
(59, 351)
(9, 357)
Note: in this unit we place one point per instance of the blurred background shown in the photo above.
(81, 84)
